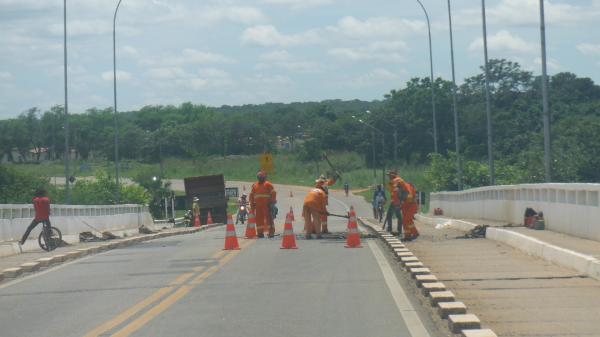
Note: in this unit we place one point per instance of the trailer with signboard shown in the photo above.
(210, 191)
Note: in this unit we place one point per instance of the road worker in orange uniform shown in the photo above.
(315, 205)
(409, 207)
(396, 204)
(324, 184)
(262, 198)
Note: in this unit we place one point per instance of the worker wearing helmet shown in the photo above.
(323, 183)
(196, 207)
(262, 198)
(315, 205)
(396, 204)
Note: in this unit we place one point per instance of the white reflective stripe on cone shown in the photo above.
(353, 230)
(353, 218)
(288, 232)
(230, 234)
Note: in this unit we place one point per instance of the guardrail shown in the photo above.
(572, 209)
(74, 219)
(18, 211)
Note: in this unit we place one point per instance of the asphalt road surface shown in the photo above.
(188, 286)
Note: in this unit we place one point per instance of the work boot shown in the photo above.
(319, 236)
(260, 235)
(308, 236)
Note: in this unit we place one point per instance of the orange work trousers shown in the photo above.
(263, 218)
(312, 221)
(408, 219)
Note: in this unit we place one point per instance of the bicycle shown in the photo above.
(50, 237)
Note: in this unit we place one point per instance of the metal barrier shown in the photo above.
(573, 209)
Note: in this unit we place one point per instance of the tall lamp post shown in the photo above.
(382, 147)
(488, 108)
(395, 138)
(545, 104)
(118, 188)
(435, 135)
(67, 146)
(454, 106)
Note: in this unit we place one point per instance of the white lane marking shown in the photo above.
(409, 315)
(49, 270)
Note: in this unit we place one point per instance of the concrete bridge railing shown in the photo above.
(572, 209)
(72, 219)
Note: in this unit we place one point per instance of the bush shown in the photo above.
(17, 187)
(101, 191)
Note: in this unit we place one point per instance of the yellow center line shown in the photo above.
(162, 292)
(173, 298)
(124, 316)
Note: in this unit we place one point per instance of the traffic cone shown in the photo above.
(197, 222)
(251, 226)
(353, 240)
(291, 194)
(292, 214)
(209, 220)
(289, 238)
(231, 242)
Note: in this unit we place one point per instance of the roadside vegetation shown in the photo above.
(191, 140)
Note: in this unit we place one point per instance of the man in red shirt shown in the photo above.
(41, 204)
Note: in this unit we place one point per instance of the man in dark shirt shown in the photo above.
(41, 204)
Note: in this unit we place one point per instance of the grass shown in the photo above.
(288, 169)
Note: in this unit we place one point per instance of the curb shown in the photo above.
(582, 263)
(459, 320)
(9, 274)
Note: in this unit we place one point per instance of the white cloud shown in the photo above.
(527, 12)
(187, 56)
(503, 41)
(589, 49)
(552, 64)
(377, 51)
(89, 27)
(379, 27)
(375, 77)
(130, 51)
(283, 59)
(5, 75)
(166, 73)
(269, 36)
(243, 15)
(121, 75)
(298, 4)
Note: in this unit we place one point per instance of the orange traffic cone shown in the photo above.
(251, 226)
(209, 220)
(197, 222)
(353, 240)
(231, 242)
(289, 238)
(292, 214)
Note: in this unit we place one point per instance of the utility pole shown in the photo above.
(67, 146)
(435, 135)
(487, 99)
(116, 119)
(454, 105)
(545, 104)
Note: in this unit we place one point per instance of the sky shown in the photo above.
(233, 52)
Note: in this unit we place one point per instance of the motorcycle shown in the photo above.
(242, 214)
(188, 219)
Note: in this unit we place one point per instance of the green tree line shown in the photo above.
(196, 131)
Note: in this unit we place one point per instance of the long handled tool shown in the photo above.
(339, 216)
(335, 170)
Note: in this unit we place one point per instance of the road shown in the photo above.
(188, 286)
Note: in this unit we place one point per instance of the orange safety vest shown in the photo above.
(316, 200)
(263, 194)
(410, 189)
(395, 189)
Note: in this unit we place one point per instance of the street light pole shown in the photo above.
(487, 99)
(454, 105)
(435, 135)
(545, 104)
(116, 120)
(67, 146)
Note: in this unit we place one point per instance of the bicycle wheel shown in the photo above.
(50, 239)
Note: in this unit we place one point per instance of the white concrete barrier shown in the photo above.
(572, 209)
(72, 220)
